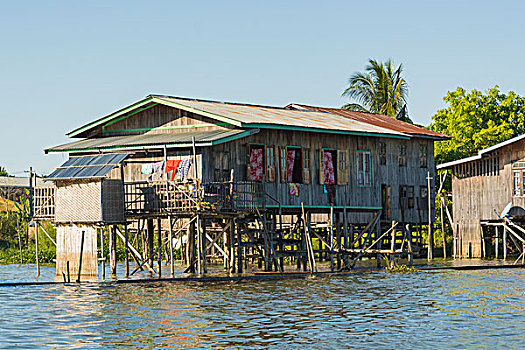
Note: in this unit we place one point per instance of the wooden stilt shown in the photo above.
(102, 253)
(338, 238)
(378, 235)
(80, 258)
(159, 250)
(232, 246)
(496, 243)
(504, 243)
(331, 235)
(199, 246)
(126, 247)
(170, 237)
(410, 251)
(345, 238)
(204, 249)
(239, 250)
(113, 250)
(36, 252)
(150, 232)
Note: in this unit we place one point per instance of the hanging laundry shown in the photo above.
(290, 159)
(256, 164)
(329, 173)
(293, 189)
(171, 166)
(183, 168)
(146, 169)
(158, 167)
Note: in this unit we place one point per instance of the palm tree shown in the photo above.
(380, 89)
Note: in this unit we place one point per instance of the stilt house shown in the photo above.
(256, 176)
(488, 198)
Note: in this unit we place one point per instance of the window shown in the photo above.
(342, 173)
(423, 156)
(270, 164)
(328, 166)
(255, 162)
(406, 197)
(222, 167)
(517, 184)
(402, 157)
(364, 173)
(307, 178)
(291, 164)
(423, 192)
(382, 153)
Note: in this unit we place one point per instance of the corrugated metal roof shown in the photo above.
(10, 181)
(260, 116)
(202, 138)
(87, 167)
(380, 120)
(481, 152)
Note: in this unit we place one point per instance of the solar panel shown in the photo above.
(87, 167)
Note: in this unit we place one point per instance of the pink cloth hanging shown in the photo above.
(256, 164)
(290, 159)
(329, 173)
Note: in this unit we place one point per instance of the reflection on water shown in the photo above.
(444, 309)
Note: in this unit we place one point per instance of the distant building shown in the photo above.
(482, 187)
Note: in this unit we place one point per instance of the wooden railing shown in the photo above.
(44, 203)
(164, 197)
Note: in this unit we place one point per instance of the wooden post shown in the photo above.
(170, 227)
(226, 256)
(191, 247)
(239, 251)
(159, 249)
(378, 255)
(80, 258)
(496, 243)
(126, 247)
(232, 246)
(102, 254)
(430, 252)
(199, 246)
(113, 250)
(410, 251)
(345, 239)
(151, 232)
(203, 245)
(443, 229)
(338, 237)
(36, 251)
(331, 234)
(504, 243)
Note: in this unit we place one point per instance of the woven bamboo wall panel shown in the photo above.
(69, 239)
(79, 202)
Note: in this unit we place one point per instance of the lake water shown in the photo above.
(372, 309)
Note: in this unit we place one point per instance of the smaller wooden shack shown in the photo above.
(85, 201)
(488, 201)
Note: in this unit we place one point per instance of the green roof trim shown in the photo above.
(159, 145)
(308, 129)
(127, 115)
(198, 111)
(110, 117)
(195, 126)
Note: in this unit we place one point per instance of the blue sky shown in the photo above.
(63, 64)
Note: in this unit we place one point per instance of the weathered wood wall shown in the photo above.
(159, 119)
(234, 155)
(479, 188)
(69, 239)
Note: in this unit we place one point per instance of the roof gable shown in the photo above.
(251, 116)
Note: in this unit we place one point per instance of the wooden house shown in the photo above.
(487, 200)
(349, 169)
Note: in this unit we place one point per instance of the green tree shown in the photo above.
(3, 172)
(477, 120)
(380, 89)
